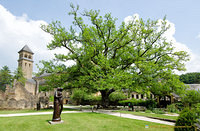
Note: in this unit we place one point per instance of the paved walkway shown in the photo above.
(108, 112)
(143, 118)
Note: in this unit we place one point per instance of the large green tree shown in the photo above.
(133, 56)
(5, 77)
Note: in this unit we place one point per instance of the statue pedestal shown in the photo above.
(55, 122)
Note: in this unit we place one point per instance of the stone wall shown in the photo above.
(17, 98)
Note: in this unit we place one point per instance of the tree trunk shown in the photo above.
(105, 97)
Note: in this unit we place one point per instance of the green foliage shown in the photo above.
(51, 98)
(91, 99)
(5, 77)
(191, 98)
(80, 96)
(190, 78)
(43, 88)
(148, 111)
(117, 96)
(197, 107)
(149, 104)
(172, 108)
(19, 75)
(108, 58)
(158, 111)
(187, 118)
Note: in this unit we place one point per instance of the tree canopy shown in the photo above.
(135, 56)
(190, 78)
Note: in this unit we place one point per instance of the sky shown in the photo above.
(20, 23)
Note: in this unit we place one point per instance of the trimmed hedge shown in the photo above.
(149, 104)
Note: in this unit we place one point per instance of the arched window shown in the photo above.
(29, 56)
(26, 56)
(25, 64)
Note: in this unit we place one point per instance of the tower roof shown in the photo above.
(27, 49)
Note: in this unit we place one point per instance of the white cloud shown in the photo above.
(15, 32)
(193, 64)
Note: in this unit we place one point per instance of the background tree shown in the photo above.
(19, 75)
(5, 77)
(133, 56)
(190, 78)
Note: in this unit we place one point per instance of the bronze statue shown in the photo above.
(58, 105)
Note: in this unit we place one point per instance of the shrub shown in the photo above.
(148, 111)
(180, 106)
(150, 104)
(172, 108)
(187, 118)
(116, 96)
(158, 111)
(91, 100)
(78, 96)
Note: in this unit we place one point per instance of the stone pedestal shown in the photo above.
(55, 122)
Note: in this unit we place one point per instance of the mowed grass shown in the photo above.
(150, 115)
(78, 122)
(28, 111)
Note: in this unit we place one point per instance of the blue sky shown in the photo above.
(184, 14)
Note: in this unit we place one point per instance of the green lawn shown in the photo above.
(28, 111)
(79, 122)
(150, 115)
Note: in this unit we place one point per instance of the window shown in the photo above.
(132, 95)
(137, 96)
(142, 96)
(29, 65)
(29, 56)
(25, 64)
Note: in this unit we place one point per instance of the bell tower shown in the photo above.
(26, 61)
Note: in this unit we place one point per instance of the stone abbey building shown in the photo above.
(23, 96)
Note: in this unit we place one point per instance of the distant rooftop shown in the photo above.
(27, 49)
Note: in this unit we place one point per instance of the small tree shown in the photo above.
(19, 75)
(191, 98)
(5, 77)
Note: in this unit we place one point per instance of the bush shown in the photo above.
(148, 111)
(158, 111)
(187, 118)
(78, 96)
(150, 104)
(91, 100)
(172, 108)
(116, 96)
